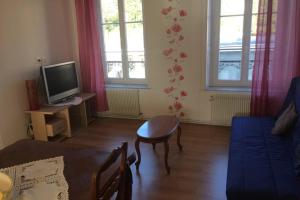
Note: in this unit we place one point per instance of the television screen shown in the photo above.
(61, 78)
(60, 81)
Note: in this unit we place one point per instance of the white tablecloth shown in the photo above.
(42, 178)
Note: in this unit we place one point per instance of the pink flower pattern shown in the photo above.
(167, 52)
(176, 28)
(166, 11)
(177, 105)
(183, 55)
(180, 38)
(175, 15)
(183, 93)
(169, 90)
(177, 68)
(182, 13)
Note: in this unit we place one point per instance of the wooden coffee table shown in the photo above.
(158, 130)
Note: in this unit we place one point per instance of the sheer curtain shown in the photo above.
(91, 65)
(277, 57)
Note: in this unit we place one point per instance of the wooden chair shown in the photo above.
(118, 182)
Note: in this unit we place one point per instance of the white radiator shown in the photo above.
(225, 106)
(122, 103)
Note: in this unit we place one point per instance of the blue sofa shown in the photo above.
(261, 165)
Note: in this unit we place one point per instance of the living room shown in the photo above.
(184, 76)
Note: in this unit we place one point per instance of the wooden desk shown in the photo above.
(40, 117)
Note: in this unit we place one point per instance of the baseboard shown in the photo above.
(211, 123)
(141, 117)
(118, 116)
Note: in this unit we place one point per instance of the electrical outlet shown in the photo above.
(41, 60)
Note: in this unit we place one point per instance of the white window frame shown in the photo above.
(123, 38)
(214, 16)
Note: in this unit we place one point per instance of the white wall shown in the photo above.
(154, 101)
(29, 29)
(47, 28)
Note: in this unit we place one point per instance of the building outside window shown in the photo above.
(123, 41)
(232, 39)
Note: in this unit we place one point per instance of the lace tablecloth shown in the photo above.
(30, 178)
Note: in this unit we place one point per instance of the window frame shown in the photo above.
(213, 47)
(123, 43)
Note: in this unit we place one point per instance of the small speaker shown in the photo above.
(32, 94)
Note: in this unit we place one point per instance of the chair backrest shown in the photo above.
(293, 95)
(116, 182)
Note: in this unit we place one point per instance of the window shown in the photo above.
(123, 38)
(232, 35)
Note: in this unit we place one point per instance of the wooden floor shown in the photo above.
(199, 172)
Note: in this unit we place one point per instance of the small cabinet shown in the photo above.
(55, 121)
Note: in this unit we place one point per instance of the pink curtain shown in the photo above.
(277, 57)
(92, 76)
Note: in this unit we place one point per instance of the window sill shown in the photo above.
(229, 89)
(127, 86)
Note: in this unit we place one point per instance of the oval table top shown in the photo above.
(158, 127)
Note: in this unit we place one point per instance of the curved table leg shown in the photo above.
(137, 148)
(178, 138)
(153, 145)
(166, 156)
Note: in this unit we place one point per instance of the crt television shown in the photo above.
(61, 81)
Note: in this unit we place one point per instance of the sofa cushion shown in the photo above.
(293, 95)
(297, 160)
(295, 146)
(286, 120)
(260, 164)
(295, 136)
